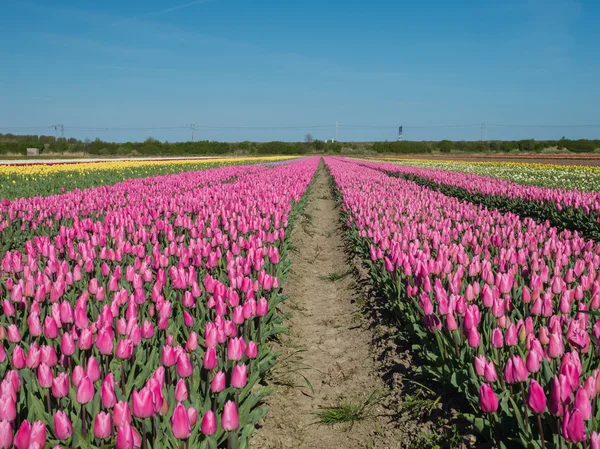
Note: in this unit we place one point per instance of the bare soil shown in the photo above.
(327, 357)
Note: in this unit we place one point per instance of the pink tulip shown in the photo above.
(181, 391)
(44, 376)
(209, 361)
(104, 342)
(209, 423)
(218, 382)
(473, 338)
(497, 338)
(515, 370)
(536, 398)
(102, 425)
(168, 357)
(92, 369)
(532, 362)
(125, 437)
(6, 435)
(230, 420)
(60, 385)
(583, 404)
(8, 408)
(480, 363)
(14, 336)
(238, 376)
(77, 374)
(511, 336)
(147, 330)
(85, 391)
(555, 347)
(193, 416)
(573, 427)
(86, 339)
(107, 392)
(487, 399)
(30, 434)
(251, 350)
(192, 342)
(50, 328)
(121, 414)
(180, 423)
(489, 372)
(124, 349)
(18, 360)
(63, 428)
(594, 441)
(141, 403)
(184, 366)
(262, 307)
(23, 436)
(67, 344)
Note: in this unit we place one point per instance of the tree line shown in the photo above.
(18, 144)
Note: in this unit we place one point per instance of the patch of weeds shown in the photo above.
(289, 367)
(308, 218)
(317, 254)
(328, 234)
(423, 401)
(446, 439)
(334, 277)
(347, 411)
(357, 316)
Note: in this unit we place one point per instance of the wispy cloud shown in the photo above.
(175, 8)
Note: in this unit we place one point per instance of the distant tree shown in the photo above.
(308, 138)
(318, 145)
(446, 146)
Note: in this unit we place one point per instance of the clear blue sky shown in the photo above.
(304, 62)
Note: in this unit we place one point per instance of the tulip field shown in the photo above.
(138, 301)
(504, 308)
(135, 315)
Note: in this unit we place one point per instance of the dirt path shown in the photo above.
(326, 346)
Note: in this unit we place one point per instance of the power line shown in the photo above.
(543, 126)
(410, 126)
(337, 126)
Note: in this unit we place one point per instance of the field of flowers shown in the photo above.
(18, 181)
(580, 177)
(567, 209)
(136, 312)
(135, 315)
(505, 309)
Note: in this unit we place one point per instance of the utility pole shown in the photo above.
(337, 131)
(60, 128)
(193, 127)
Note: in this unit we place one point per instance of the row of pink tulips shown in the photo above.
(140, 322)
(504, 308)
(487, 185)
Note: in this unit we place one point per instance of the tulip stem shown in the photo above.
(83, 421)
(123, 376)
(525, 407)
(153, 430)
(144, 436)
(539, 419)
(49, 403)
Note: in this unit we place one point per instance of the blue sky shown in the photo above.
(303, 63)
